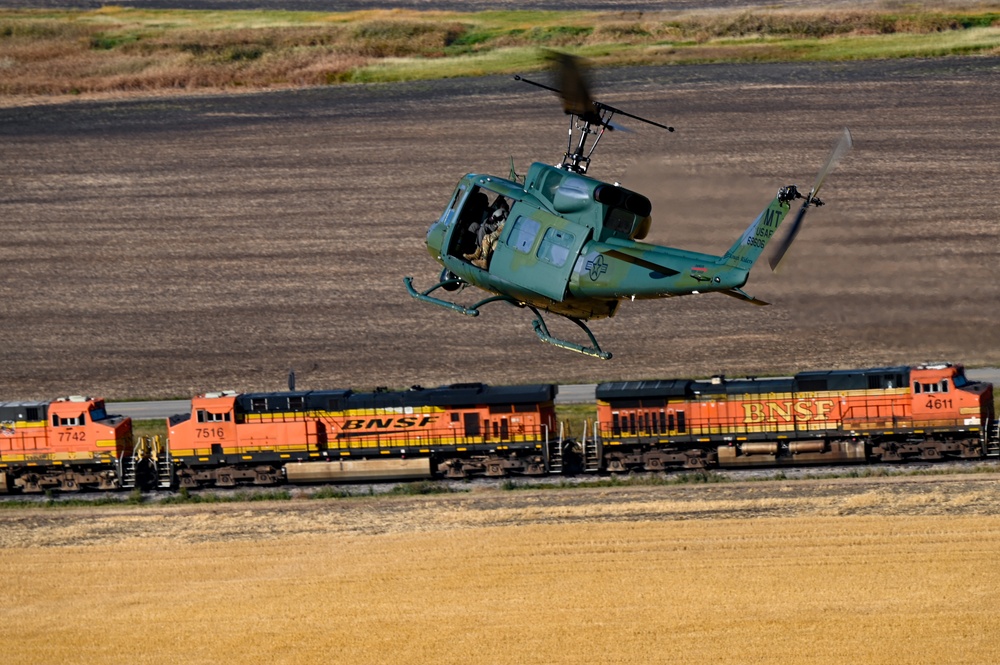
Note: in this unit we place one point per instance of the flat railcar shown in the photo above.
(887, 414)
(456, 431)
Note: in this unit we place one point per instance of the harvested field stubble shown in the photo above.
(818, 572)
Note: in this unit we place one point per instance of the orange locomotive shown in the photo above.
(68, 444)
(927, 412)
(316, 436)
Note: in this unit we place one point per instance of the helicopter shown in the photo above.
(560, 241)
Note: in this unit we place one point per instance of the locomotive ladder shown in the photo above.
(147, 448)
(126, 471)
(591, 449)
(554, 452)
(164, 467)
(992, 447)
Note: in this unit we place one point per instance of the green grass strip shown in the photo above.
(117, 49)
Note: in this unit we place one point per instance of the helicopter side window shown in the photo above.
(554, 247)
(522, 236)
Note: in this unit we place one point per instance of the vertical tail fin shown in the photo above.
(745, 252)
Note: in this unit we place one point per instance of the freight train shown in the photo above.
(886, 414)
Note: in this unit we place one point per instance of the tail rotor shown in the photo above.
(840, 148)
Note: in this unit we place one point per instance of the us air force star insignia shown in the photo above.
(597, 267)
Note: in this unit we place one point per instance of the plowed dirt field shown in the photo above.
(168, 246)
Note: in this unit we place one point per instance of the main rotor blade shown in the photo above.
(573, 86)
(786, 242)
(840, 148)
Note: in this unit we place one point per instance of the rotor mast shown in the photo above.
(587, 117)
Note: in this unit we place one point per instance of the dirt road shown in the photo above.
(163, 247)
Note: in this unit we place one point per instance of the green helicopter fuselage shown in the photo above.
(570, 244)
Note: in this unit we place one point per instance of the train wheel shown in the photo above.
(68, 483)
(453, 469)
(186, 479)
(694, 463)
(615, 465)
(225, 477)
(930, 453)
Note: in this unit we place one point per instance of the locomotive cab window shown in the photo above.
(941, 387)
(68, 422)
(209, 417)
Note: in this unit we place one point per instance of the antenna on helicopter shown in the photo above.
(587, 116)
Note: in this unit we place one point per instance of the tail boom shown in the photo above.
(745, 252)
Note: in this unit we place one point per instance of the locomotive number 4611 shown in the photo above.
(938, 404)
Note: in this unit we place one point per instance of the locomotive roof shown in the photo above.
(639, 389)
(23, 411)
(459, 394)
(747, 386)
(854, 379)
(835, 380)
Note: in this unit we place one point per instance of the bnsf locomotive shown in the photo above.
(929, 412)
(67, 444)
(455, 431)
(884, 414)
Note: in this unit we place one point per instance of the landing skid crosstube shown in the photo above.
(594, 350)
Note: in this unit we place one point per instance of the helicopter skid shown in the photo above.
(541, 329)
(543, 334)
(472, 310)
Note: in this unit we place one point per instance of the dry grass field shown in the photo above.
(168, 246)
(867, 571)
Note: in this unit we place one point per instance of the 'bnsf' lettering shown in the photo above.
(804, 411)
(389, 423)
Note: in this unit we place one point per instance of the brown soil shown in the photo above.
(168, 246)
